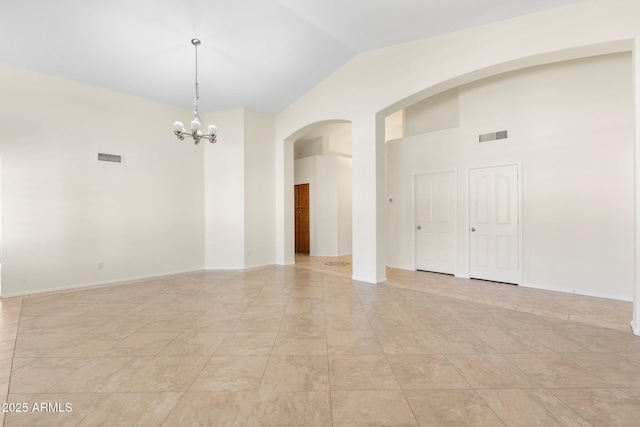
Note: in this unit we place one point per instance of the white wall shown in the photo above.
(0, 226)
(329, 139)
(310, 147)
(362, 90)
(326, 212)
(259, 166)
(343, 179)
(329, 179)
(571, 126)
(437, 112)
(224, 199)
(0, 218)
(239, 191)
(394, 125)
(63, 212)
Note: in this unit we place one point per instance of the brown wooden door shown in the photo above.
(301, 198)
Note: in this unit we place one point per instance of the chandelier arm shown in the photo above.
(185, 133)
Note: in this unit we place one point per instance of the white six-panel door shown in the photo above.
(494, 222)
(435, 197)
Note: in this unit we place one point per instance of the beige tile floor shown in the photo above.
(304, 345)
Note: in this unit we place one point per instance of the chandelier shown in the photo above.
(196, 123)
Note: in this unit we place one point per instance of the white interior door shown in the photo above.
(435, 199)
(494, 222)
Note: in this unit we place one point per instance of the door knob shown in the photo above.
(419, 227)
(473, 229)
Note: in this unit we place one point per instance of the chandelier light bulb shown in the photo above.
(213, 130)
(178, 127)
(195, 125)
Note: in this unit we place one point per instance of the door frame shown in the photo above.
(414, 241)
(518, 164)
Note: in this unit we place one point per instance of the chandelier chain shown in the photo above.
(195, 104)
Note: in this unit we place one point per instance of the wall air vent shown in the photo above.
(493, 136)
(110, 158)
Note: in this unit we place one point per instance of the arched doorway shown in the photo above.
(322, 154)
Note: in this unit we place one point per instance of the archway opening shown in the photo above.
(320, 196)
(553, 131)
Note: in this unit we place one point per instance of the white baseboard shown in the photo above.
(246, 267)
(369, 280)
(362, 279)
(97, 284)
(578, 292)
(401, 267)
(635, 328)
(225, 268)
(412, 268)
(261, 265)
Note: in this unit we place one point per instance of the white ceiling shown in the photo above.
(260, 54)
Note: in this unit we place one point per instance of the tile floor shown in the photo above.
(304, 345)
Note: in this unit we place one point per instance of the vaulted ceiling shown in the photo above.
(260, 54)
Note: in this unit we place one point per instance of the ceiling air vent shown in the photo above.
(493, 136)
(110, 158)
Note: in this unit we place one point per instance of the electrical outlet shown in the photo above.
(100, 265)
